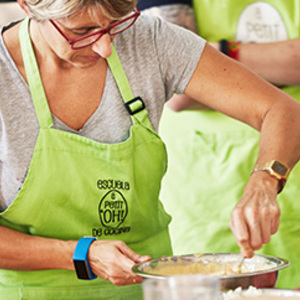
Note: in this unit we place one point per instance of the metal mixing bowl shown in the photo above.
(260, 271)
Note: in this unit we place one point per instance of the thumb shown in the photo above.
(137, 258)
(143, 258)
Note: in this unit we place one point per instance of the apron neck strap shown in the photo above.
(33, 76)
(141, 114)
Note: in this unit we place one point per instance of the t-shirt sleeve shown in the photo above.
(158, 57)
(178, 53)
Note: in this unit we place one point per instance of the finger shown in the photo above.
(135, 279)
(275, 220)
(121, 272)
(266, 224)
(144, 259)
(125, 280)
(252, 219)
(240, 230)
(275, 225)
(137, 258)
(126, 263)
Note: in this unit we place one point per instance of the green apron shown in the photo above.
(211, 155)
(77, 187)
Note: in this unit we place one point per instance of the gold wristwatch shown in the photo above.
(275, 169)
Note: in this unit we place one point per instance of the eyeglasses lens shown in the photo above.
(86, 41)
(113, 30)
(123, 25)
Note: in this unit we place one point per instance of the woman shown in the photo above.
(77, 164)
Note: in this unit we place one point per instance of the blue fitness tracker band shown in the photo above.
(81, 263)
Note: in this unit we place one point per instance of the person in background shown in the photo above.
(264, 36)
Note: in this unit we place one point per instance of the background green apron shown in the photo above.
(211, 156)
(77, 187)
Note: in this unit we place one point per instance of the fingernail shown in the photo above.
(145, 258)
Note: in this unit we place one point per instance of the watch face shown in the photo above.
(81, 269)
(280, 168)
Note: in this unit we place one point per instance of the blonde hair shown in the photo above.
(56, 9)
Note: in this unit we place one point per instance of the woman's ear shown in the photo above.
(23, 5)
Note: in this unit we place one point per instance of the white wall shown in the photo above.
(10, 11)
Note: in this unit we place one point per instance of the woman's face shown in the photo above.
(73, 28)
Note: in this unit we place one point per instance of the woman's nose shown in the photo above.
(103, 46)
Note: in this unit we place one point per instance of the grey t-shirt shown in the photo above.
(158, 58)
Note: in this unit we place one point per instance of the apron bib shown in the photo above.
(77, 187)
(217, 153)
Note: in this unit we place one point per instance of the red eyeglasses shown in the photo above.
(112, 30)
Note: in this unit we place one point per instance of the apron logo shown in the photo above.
(111, 184)
(260, 22)
(113, 209)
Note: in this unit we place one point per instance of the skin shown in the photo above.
(244, 96)
(248, 98)
(256, 216)
(276, 62)
(62, 67)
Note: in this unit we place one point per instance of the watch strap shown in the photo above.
(80, 260)
(275, 169)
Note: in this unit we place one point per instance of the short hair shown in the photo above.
(56, 9)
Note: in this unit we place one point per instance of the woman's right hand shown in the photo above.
(113, 260)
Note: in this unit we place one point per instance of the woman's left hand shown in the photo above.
(256, 216)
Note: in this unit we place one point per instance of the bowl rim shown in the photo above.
(283, 263)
